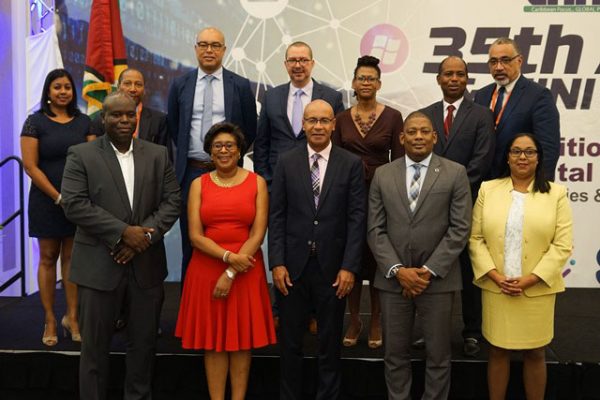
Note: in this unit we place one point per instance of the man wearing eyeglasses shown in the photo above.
(466, 136)
(519, 105)
(198, 100)
(316, 234)
(280, 121)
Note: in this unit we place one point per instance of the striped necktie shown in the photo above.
(415, 187)
(315, 177)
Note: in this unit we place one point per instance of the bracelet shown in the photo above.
(226, 256)
(58, 199)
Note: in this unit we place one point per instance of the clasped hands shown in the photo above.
(414, 281)
(241, 263)
(344, 281)
(513, 286)
(134, 240)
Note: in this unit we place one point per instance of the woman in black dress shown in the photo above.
(45, 139)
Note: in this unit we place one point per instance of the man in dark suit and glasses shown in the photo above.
(316, 230)
(466, 136)
(198, 100)
(123, 196)
(519, 105)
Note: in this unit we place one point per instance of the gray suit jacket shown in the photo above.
(275, 134)
(434, 235)
(95, 199)
(471, 141)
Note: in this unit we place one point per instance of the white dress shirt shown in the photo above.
(196, 147)
(127, 169)
(322, 161)
(456, 105)
(305, 98)
(509, 88)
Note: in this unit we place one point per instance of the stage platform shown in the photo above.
(29, 370)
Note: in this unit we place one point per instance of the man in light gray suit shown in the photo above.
(123, 196)
(419, 222)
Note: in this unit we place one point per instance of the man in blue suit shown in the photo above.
(519, 105)
(197, 100)
(280, 121)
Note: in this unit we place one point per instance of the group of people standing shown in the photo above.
(346, 195)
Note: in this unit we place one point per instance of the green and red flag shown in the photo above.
(105, 56)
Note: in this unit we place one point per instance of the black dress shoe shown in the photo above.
(471, 347)
(418, 344)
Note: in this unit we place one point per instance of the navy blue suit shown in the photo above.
(275, 134)
(530, 109)
(336, 230)
(240, 109)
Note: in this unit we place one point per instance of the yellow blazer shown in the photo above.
(547, 235)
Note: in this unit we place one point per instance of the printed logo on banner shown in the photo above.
(388, 43)
(564, 6)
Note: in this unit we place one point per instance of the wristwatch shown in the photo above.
(393, 271)
(230, 274)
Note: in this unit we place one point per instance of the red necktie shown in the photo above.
(448, 120)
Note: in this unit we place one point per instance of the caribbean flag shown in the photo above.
(105, 57)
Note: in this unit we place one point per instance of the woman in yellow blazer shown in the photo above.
(520, 240)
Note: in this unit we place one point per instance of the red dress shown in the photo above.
(243, 319)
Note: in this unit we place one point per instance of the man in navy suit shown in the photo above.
(316, 232)
(465, 133)
(279, 124)
(519, 105)
(198, 100)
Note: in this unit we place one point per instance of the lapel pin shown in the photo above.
(437, 170)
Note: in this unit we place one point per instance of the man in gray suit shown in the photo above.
(123, 196)
(418, 223)
(466, 135)
(280, 120)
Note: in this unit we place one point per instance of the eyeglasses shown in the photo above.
(529, 153)
(228, 145)
(492, 62)
(315, 121)
(368, 79)
(301, 61)
(216, 46)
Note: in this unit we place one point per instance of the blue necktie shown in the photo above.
(207, 112)
(315, 177)
(413, 194)
(297, 111)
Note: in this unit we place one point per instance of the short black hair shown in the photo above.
(369, 62)
(418, 114)
(72, 109)
(540, 183)
(441, 64)
(224, 127)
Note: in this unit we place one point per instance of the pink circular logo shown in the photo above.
(388, 43)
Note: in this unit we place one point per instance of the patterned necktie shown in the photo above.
(207, 112)
(315, 178)
(297, 111)
(499, 101)
(448, 120)
(413, 194)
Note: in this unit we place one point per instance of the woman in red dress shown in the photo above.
(370, 130)
(225, 307)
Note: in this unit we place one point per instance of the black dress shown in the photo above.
(47, 220)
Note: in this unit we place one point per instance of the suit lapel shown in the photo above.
(438, 124)
(108, 154)
(461, 115)
(513, 100)
(283, 101)
(138, 165)
(433, 172)
(400, 181)
(228, 93)
(330, 174)
(188, 94)
(305, 180)
(144, 125)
